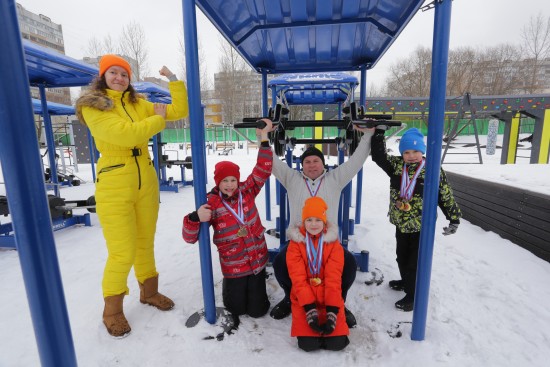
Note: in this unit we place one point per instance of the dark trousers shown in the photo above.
(407, 258)
(311, 343)
(246, 295)
(281, 272)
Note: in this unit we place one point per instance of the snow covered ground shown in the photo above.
(489, 298)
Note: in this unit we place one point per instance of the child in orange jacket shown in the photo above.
(315, 261)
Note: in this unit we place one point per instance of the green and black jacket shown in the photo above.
(410, 221)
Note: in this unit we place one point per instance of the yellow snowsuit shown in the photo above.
(127, 188)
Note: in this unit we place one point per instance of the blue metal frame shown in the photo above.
(285, 37)
(440, 57)
(27, 200)
(318, 88)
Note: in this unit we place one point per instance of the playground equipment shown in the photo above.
(332, 38)
(46, 68)
(303, 38)
(155, 93)
(309, 89)
(511, 110)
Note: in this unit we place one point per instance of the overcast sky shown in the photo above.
(474, 23)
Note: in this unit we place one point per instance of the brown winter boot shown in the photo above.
(149, 294)
(114, 318)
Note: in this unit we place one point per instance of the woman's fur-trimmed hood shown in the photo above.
(95, 99)
(294, 233)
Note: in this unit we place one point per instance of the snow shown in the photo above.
(488, 301)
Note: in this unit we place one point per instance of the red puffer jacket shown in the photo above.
(239, 256)
(328, 293)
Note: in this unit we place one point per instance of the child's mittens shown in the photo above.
(451, 229)
(330, 325)
(312, 317)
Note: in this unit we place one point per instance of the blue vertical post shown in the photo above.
(156, 161)
(362, 102)
(440, 56)
(27, 201)
(92, 152)
(264, 113)
(50, 140)
(198, 151)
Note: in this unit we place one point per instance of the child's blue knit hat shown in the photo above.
(412, 140)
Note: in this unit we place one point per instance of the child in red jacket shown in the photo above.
(315, 260)
(238, 232)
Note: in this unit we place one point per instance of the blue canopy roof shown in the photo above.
(53, 108)
(303, 36)
(314, 88)
(53, 69)
(154, 92)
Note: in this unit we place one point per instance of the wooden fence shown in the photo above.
(516, 214)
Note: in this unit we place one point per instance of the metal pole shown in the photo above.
(26, 195)
(440, 57)
(268, 182)
(362, 102)
(198, 152)
(50, 140)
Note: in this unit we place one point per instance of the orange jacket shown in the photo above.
(328, 293)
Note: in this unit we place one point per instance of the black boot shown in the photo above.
(397, 285)
(406, 303)
(281, 309)
(350, 318)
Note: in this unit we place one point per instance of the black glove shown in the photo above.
(451, 229)
(312, 317)
(330, 325)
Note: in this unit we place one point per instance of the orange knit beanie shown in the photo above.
(315, 207)
(113, 60)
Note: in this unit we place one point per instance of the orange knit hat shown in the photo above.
(315, 207)
(113, 60)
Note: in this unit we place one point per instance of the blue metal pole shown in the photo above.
(92, 152)
(440, 56)
(27, 200)
(268, 182)
(50, 140)
(198, 152)
(362, 102)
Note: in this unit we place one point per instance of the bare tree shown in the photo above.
(205, 82)
(410, 77)
(97, 47)
(535, 49)
(133, 44)
(462, 72)
(230, 84)
(498, 70)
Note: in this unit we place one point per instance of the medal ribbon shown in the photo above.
(240, 215)
(407, 184)
(313, 192)
(314, 256)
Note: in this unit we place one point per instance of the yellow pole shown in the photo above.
(513, 143)
(545, 138)
(318, 130)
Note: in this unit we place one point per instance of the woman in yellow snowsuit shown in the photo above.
(127, 190)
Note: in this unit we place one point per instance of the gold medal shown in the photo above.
(403, 206)
(242, 232)
(315, 281)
